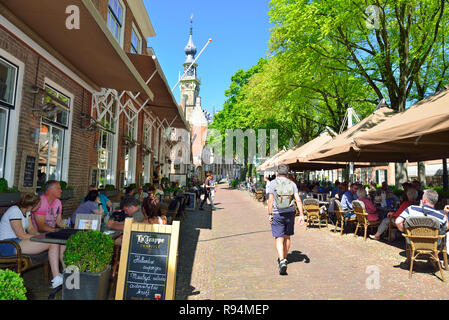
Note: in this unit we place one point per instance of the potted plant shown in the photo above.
(67, 191)
(110, 191)
(8, 196)
(91, 252)
(11, 286)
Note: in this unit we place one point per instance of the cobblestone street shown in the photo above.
(230, 254)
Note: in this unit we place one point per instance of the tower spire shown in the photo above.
(190, 49)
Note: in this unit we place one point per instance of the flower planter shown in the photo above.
(67, 194)
(92, 286)
(7, 199)
(110, 193)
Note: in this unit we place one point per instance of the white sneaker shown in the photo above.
(57, 281)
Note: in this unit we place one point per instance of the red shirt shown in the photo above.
(404, 206)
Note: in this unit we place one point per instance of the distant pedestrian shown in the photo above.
(207, 193)
(282, 193)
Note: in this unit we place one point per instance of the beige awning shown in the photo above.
(296, 157)
(270, 164)
(164, 104)
(340, 148)
(419, 133)
(91, 51)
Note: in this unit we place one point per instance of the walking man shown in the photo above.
(207, 192)
(282, 193)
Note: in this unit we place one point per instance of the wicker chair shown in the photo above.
(362, 218)
(23, 262)
(421, 234)
(391, 226)
(312, 209)
(339, 216)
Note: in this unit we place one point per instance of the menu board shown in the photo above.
(146, 272)
(147, 269)
(192, 201)
(29, 171)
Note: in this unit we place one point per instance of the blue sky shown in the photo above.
(239, 30)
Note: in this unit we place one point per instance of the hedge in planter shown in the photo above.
(91, 251)
(11, 286)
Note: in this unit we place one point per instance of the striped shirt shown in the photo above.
(420, 211)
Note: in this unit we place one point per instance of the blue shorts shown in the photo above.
(283, 224)
(7, 249)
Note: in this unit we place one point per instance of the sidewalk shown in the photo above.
(230, 254)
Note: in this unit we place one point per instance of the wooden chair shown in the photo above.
(172, 210)
(23, 262)
(312, 209)
(362, 218)
(422, 235)
(258, 195)
(341, 221)
(391, 227)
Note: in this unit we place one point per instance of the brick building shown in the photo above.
(89, 103)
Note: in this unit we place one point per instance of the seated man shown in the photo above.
(48, 217)
(347, 198)
(429, 200)
(411, 195)
(130, 209)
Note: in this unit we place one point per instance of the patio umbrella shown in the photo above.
(420, 133)
(296, 157)
(269, 163)
(342, 147)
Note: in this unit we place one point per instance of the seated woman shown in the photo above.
(152, 211)
(16, 226)
(412, 195)
(91, 205)
(369, 206)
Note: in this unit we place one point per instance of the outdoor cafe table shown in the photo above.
(42, 237)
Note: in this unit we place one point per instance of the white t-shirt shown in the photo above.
(13, 213)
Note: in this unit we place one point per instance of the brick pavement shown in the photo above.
(230, 254)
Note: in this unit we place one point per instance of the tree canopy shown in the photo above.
(327, 56)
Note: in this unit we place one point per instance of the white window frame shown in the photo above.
(68, 133)
(131, 172)
(139, 39)
(122, 27)
(14, 116)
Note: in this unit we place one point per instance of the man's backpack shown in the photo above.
(284, 193)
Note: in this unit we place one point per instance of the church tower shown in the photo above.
(190, 83)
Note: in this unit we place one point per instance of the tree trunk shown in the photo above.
(422, 173)
(445, 177)
(401, 174)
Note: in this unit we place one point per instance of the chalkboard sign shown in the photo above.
(28, 174)
(191, 205)
(93, 176)
(148, 262)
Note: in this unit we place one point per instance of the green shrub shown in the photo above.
(91, 251)
(11, 286)
(109, 187)
(234, 183)
(3, 185)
